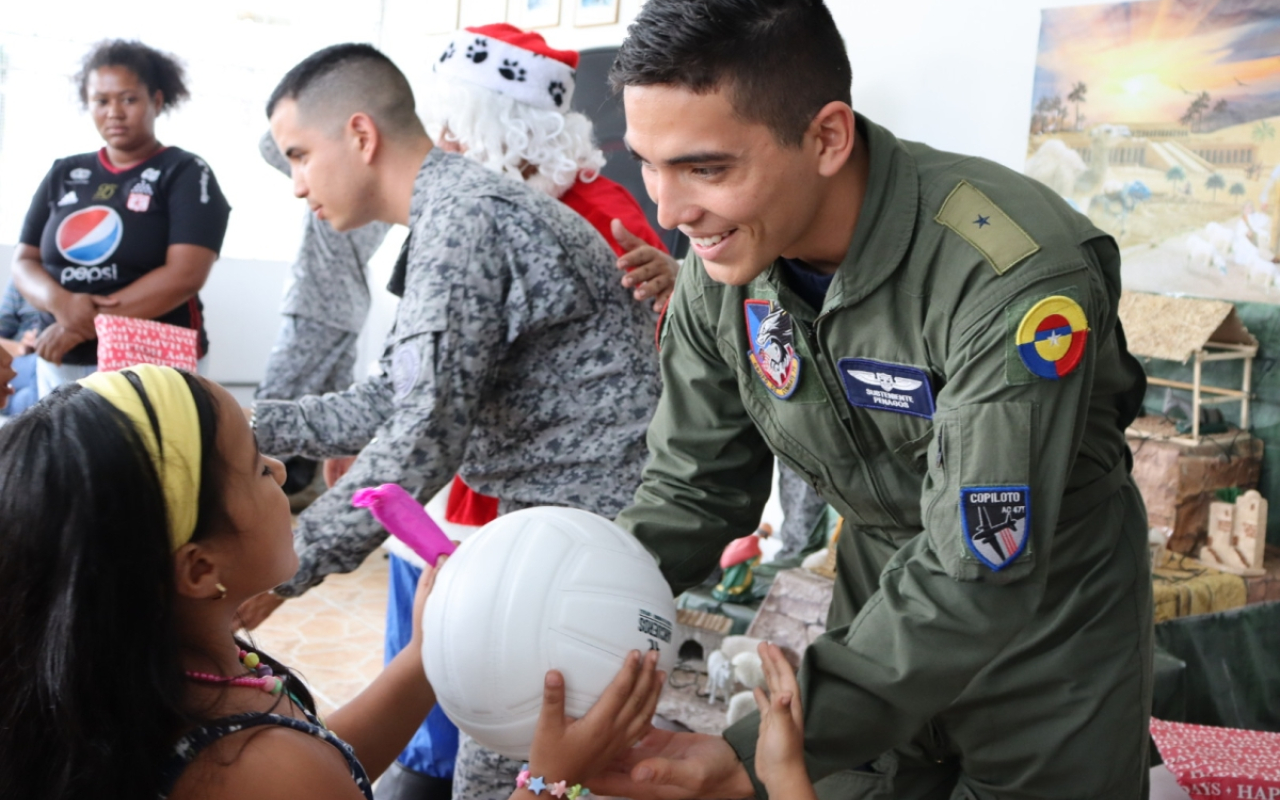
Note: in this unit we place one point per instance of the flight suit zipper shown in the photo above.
(814, 340)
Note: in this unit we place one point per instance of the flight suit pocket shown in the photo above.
(979, 516)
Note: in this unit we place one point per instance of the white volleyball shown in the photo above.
(539, 589)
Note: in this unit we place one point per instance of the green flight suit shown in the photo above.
(949, 669)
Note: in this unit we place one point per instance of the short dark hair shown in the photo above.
(780, 60)
(159, 72)
(345, 78)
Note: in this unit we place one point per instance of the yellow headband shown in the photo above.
(178, 464)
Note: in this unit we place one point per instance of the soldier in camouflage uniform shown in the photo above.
(324, 310)
(514, 361)
(507, 332)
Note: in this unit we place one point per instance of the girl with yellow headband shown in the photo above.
(136, 514)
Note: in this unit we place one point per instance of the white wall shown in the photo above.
(954, 73)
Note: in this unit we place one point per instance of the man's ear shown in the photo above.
(365, 135)
(834, 134)
(196, 573)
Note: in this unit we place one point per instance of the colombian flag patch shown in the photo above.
(1051, 337)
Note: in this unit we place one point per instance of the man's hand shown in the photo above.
(56, 341)
(254, 611)
(674, 766)
(6, 374)
(649, 272)
(28, 340)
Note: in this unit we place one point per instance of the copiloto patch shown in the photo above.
(996, 521)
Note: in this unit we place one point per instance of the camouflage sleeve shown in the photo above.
(416, 418)
(309, 357)
(324, 426)
(330, 276)
(271, 153)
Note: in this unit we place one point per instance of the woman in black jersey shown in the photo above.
(131, 229)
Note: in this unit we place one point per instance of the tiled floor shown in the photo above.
(332, 635)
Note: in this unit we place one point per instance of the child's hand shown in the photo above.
(650, 272)
(573, 751)
(425, 583)
(780, 748)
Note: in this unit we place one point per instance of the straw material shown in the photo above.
(1174, 328)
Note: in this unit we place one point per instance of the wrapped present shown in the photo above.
(1220, 762)
(125, 341)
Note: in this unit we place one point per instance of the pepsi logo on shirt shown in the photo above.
(89, 235)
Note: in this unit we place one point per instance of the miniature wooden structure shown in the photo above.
(794, 613)
(1184, 329)
(700, 633)
(1237, 535)
(1179, 481)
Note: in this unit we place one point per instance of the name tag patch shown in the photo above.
(996, 521)
(886, 387)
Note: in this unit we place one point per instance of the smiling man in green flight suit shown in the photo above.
(932, 341)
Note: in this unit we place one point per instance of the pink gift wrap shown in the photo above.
(1220, 762)
(125, 341)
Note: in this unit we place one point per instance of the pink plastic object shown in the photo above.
(405, 519)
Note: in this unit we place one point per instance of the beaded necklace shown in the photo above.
(260, 675)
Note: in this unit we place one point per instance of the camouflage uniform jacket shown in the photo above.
(514, 361)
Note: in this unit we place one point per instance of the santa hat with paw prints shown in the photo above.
(516, 63)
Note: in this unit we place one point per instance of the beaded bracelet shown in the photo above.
(558, 789)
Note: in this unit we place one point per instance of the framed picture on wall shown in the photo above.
(533, 13)
(441, 16)
(595, 12)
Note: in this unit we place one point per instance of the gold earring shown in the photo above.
(222, 591)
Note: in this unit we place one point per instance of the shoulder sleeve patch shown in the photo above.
(982, 224)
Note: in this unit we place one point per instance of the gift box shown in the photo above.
(125, 341)
(1220, 762)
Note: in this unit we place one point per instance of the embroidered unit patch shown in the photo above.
(996, 521)
(886, 387)
(771, 332)
(1051, 337)
(406, 363)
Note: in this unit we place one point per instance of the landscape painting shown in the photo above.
(1159, 120)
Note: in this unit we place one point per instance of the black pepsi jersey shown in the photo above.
(100, 228)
